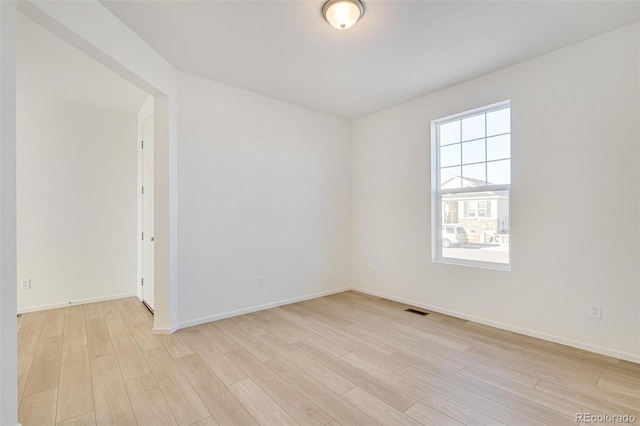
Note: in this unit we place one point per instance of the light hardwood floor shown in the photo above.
(345, 359)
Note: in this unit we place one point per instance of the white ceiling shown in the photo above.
(47, 64)
(398, 51)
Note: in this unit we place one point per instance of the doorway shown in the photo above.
(103, 41)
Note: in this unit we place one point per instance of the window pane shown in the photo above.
(474, 175)
(499, 122)
(449, 133)
(499, 147)
(484, 208)
(499, 172)
(473, 152)
(473, 128)
(450, 178)
(478, 238)
(473, 156)
(469, 209)
(450, 155)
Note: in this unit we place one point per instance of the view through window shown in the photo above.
(473, 183)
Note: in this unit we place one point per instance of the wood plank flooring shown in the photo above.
(346, 359)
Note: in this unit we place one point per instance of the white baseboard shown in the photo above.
(73, 302)
(243, 311)
(164, 330)
(628, 356)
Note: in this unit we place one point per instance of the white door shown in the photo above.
(147, 214)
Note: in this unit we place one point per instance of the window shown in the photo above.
(484, 208)
(477, 208)
(471, 175)
(469, 209)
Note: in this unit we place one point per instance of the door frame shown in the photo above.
(145, 114)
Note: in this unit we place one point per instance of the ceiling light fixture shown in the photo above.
(342, 14)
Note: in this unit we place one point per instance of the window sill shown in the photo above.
(474, 264)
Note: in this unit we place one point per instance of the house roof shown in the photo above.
(471, 182)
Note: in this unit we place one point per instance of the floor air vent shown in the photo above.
(417, 312)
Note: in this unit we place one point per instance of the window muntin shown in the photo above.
(472, 185)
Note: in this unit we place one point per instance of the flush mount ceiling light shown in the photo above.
(342, 14)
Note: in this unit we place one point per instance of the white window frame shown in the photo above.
(436, 193)
(487, 209)
(468, 207)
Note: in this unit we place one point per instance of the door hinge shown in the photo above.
(141, 144)
(143, 235)
(143, 190)
(141, 282)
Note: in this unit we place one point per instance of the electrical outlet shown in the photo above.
(595, 311)
(261, 282)
(25, 284)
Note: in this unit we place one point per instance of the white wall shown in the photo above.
(77, 186)
(575, 204)
(264, 191)
(8, 340)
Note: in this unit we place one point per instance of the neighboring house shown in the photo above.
(477, 212)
